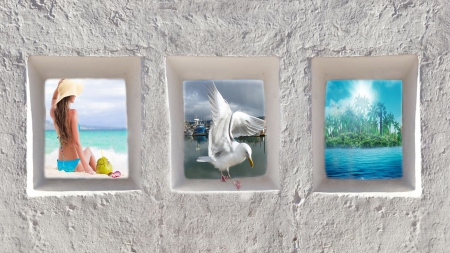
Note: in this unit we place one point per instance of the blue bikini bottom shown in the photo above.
(67, 165)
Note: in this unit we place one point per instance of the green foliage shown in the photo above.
(363, 125)
(363, 140)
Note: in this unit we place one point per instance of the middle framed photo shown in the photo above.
(224, 123)
(224, 130)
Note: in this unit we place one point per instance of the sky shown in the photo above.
(102, 102)
(244, 95)
(344, 92)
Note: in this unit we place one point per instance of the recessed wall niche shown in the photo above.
(340, 89)
(89, 70)
(224, 71)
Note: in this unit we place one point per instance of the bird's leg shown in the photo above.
(222, 177)
(237, 183)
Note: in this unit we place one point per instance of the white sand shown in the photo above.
(119, 162)
(53, 172)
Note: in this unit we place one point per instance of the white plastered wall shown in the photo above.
(294, 218)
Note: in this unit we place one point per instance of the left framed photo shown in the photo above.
(83, 124)
(101, 128)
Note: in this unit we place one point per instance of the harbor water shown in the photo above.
(195, 146)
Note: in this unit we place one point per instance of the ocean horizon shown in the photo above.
(115, 139)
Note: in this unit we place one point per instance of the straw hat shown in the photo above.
(68, 88)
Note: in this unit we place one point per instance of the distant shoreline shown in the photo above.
(50, 127)
(349, 147)
(362, 140)
(96, 129)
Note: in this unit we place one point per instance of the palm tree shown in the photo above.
(398, 131)
(361, 104)
(381, 110)
(350, 118)
(337, 126)
(373, 118)
(388, 121)
(328, 126)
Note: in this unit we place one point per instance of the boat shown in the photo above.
(199, 128)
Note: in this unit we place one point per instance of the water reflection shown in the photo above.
(195, 146)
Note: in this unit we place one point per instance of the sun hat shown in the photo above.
(69, 88)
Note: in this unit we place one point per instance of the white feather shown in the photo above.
(223, 150)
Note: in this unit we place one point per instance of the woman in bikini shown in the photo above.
(65, 121)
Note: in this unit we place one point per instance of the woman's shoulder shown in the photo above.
(73, 113)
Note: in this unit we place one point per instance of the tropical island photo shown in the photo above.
(363, 129)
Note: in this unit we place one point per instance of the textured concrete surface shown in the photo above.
(293, 220)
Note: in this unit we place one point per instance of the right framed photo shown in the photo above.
(366, 125)
(363, 129)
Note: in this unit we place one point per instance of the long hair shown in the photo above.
(61, 112)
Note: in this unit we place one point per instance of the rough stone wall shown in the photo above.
(293, 220)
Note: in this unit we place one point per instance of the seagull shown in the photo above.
(223, 150)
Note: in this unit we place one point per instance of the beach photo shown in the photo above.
(224, 130)
(100, 128)
(363, 129)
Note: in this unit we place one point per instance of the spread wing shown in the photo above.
(243, 124)
(219, 139)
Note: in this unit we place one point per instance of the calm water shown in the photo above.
(369, 163)
(198, 146)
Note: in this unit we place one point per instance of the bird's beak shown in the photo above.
(250, 161)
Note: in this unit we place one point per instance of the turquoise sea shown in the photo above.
(115, 140)
(364, 163)
(112, 143)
